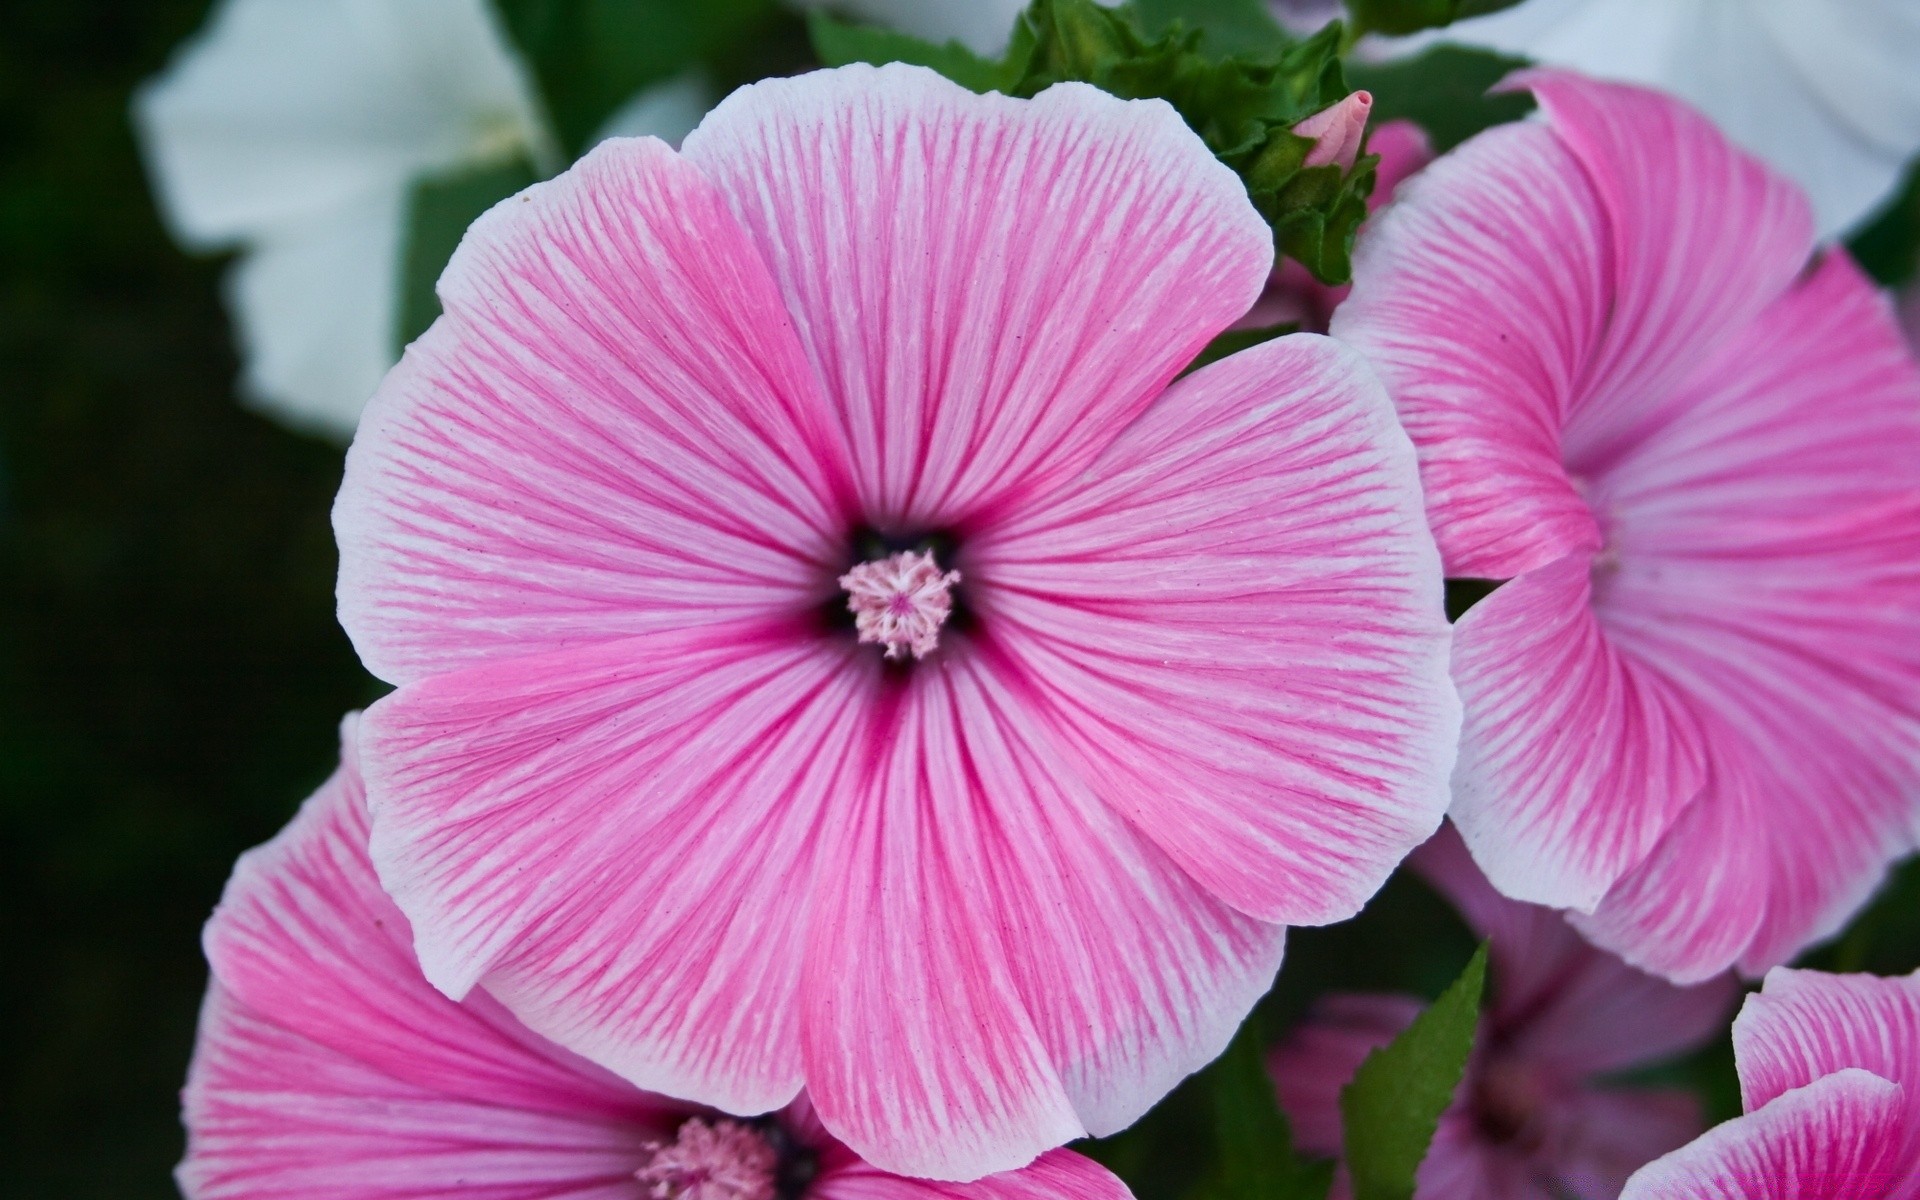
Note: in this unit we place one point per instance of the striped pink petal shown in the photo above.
(1835, 1139)
(328, 1068)
(1693, 712)
(640, 782)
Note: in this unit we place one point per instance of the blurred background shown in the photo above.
(171, 675)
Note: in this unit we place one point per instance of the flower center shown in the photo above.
(724, 1160)
(901, 601)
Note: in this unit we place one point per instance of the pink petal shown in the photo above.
(1590, 290)
(1559, 1002)
(1602, 1136)
(1042, 973)
(327, 1067)
(990, 288)
(1813, 408)
(1807, 1024)
(1836, 1139)
(1317, 1060)
(1576, 757)
(612, 430)
(1404, 148)
(620, 842)
(1056, 1175)
(1233, 623)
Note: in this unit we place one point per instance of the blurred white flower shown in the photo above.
(667, 110)
(1828, 91)
(293, 130)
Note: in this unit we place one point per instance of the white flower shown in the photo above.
(1828, 91)
(293, 130)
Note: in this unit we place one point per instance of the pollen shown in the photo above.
(724, 1160)
(901, 602)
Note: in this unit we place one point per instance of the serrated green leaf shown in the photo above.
(1393, 1105)
(839, 44)
(1226, 26)
(1256, 1159)
(591, 56)
(439, 209)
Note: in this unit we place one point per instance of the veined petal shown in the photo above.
(329, 1068)
(1807, 1024)
(316, 307)
(1558, 1000)
(989, 288)
(620, 842)
(1507, 228)
(1000, 957)
(1592, 290)
(1575, 757)
(1232, 623)
(612, 430)
(281, 112)
(1835, 1139)
(1055, 1175)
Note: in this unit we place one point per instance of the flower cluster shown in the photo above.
(866, 713)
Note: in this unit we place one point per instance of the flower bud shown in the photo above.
(1337, 131)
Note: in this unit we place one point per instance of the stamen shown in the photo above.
(901, 601)
(724, 1160)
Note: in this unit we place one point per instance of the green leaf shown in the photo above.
(839, 43)
(1411, 16)
(1256, 1160)
(1444, 91)
(1393, 1105)
(1226, 26)
(439, 209)
(1889, 248)
(591, 56)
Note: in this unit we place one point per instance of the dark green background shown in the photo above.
(170, 671)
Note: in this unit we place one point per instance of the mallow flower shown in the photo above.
(1693, 705)
(329, 1069)
(1824, 90)
(1536, 1116)
(1830, 1081)
(292, 130)
(831, 648)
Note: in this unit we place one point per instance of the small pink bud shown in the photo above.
(1337, 131)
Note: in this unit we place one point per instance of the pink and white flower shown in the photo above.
(1693, 708)
(329, 1069)
(642, 782)
(1830, 1080)
(1533, 1118)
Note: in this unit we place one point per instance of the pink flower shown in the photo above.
(644, 782)
(1292, 295)
(329, 1068)
(1830, 1080)
(1693, 709)
(1530, 1119)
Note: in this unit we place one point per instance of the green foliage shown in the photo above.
(1444, 91)
(1255, 1156)
(1889, 248)
(1411, 16)
(439, 209)
(591, 56)
(1233, 75)
(1393, 1105)
(839, 43)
